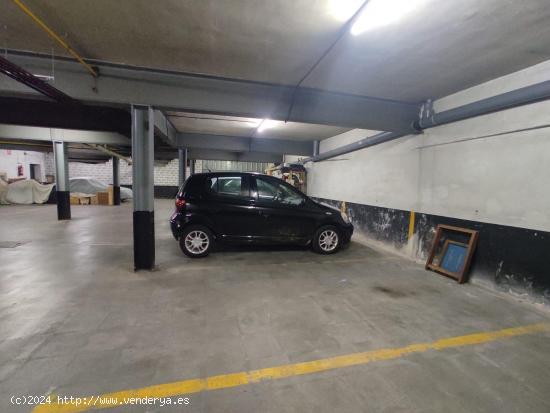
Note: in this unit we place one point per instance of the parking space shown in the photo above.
(104, 329)
(274, 206)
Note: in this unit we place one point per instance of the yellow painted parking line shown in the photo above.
(185, 387)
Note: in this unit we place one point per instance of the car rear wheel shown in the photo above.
(326, 240)
(196, 241)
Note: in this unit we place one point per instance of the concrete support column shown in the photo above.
(143, 186)
(63, 195)
(316, 148)
(182, 171)
(191, 166)
(116, 181)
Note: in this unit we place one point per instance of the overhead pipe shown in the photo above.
(514, 98)
(316, 145)
(519, 97)
(355, 146)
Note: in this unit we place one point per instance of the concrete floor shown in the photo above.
(76, 320)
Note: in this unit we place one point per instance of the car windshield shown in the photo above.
(270, 190)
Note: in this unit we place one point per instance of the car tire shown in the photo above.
(196, 241)
(326, 240)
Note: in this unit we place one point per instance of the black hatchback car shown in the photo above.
(249, 208)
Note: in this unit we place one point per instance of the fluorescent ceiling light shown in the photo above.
(378, 13)
(342, 10)
(267, 124)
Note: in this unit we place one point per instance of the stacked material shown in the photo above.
(78, 198)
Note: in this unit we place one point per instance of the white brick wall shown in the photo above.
(49, 164)
(101, 171)
(166, 172)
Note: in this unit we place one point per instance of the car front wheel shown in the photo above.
(326, 240)
(196, 241)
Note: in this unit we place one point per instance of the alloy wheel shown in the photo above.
(328, 240)
(197, 242)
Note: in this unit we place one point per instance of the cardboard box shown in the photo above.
(103, 198)
(110, 191)
(80, 200)
(93, 200)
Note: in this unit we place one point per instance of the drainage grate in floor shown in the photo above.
(11, 244)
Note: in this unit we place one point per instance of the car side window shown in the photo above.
(231, 186)
(272, 191)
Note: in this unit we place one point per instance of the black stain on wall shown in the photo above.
(382, 224)
(513, 259)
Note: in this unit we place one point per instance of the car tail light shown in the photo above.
(180, 204)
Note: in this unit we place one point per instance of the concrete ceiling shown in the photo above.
(248, 127)
(442, 47)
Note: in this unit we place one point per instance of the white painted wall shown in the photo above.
(455, 170)
(10, 159)
(292, 158)
(526, 77)
(345, 138)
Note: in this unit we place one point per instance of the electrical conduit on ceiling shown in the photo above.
(55, 36)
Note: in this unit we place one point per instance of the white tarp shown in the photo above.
(27, 192)
(92, 186)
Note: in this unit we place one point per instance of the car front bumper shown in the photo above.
(347, 232)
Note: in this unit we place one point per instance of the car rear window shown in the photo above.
(226, 186)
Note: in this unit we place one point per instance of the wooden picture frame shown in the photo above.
(456, 257)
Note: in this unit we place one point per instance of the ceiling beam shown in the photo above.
(35, 112)
(33, 133)
(219, 155)
(119, 84)
(164, 129)
(75, 154)
(244, 144)
(83, 155)
(25, 146)
(28, 79)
